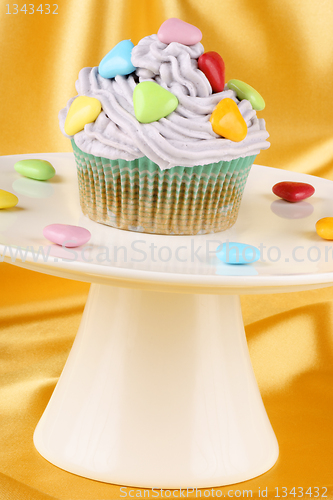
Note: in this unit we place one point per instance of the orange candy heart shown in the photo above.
(227, 121)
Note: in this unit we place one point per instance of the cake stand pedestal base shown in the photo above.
(159, 392)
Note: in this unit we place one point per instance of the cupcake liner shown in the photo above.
(138, 196)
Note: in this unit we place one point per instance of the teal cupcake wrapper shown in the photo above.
(138, 196)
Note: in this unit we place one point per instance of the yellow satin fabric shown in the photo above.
(285, 50)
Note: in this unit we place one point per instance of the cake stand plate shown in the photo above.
(158, 389)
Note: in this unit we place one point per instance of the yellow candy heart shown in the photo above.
(227, 121)
(324, 228)
(7, 200)
(82, 111)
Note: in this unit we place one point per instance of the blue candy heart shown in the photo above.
(237, 253)
(117, 61)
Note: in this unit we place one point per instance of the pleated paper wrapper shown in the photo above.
(138, 196)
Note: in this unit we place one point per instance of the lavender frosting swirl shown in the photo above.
(185, 137)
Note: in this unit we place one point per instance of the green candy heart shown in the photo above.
(245, 91)
(40, 170)
(152, 102)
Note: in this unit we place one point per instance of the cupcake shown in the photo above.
(161, 144)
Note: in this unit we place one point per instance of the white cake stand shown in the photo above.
(158, 390)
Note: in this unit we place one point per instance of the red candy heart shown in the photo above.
(212, 65)
(293, 191)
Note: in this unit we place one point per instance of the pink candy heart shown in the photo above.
(176, 30)
(67, 235)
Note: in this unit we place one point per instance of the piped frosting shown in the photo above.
(184, 137)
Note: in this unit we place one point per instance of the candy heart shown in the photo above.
(82, 111)
(245, 91)
(227, 121)
(7, 200)
(324, 228)
(237, 253)
(117, 61)
(293, 191)
(40, 170)
(212, 65)
(152, 102)
(67, 235)
(176, 30)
